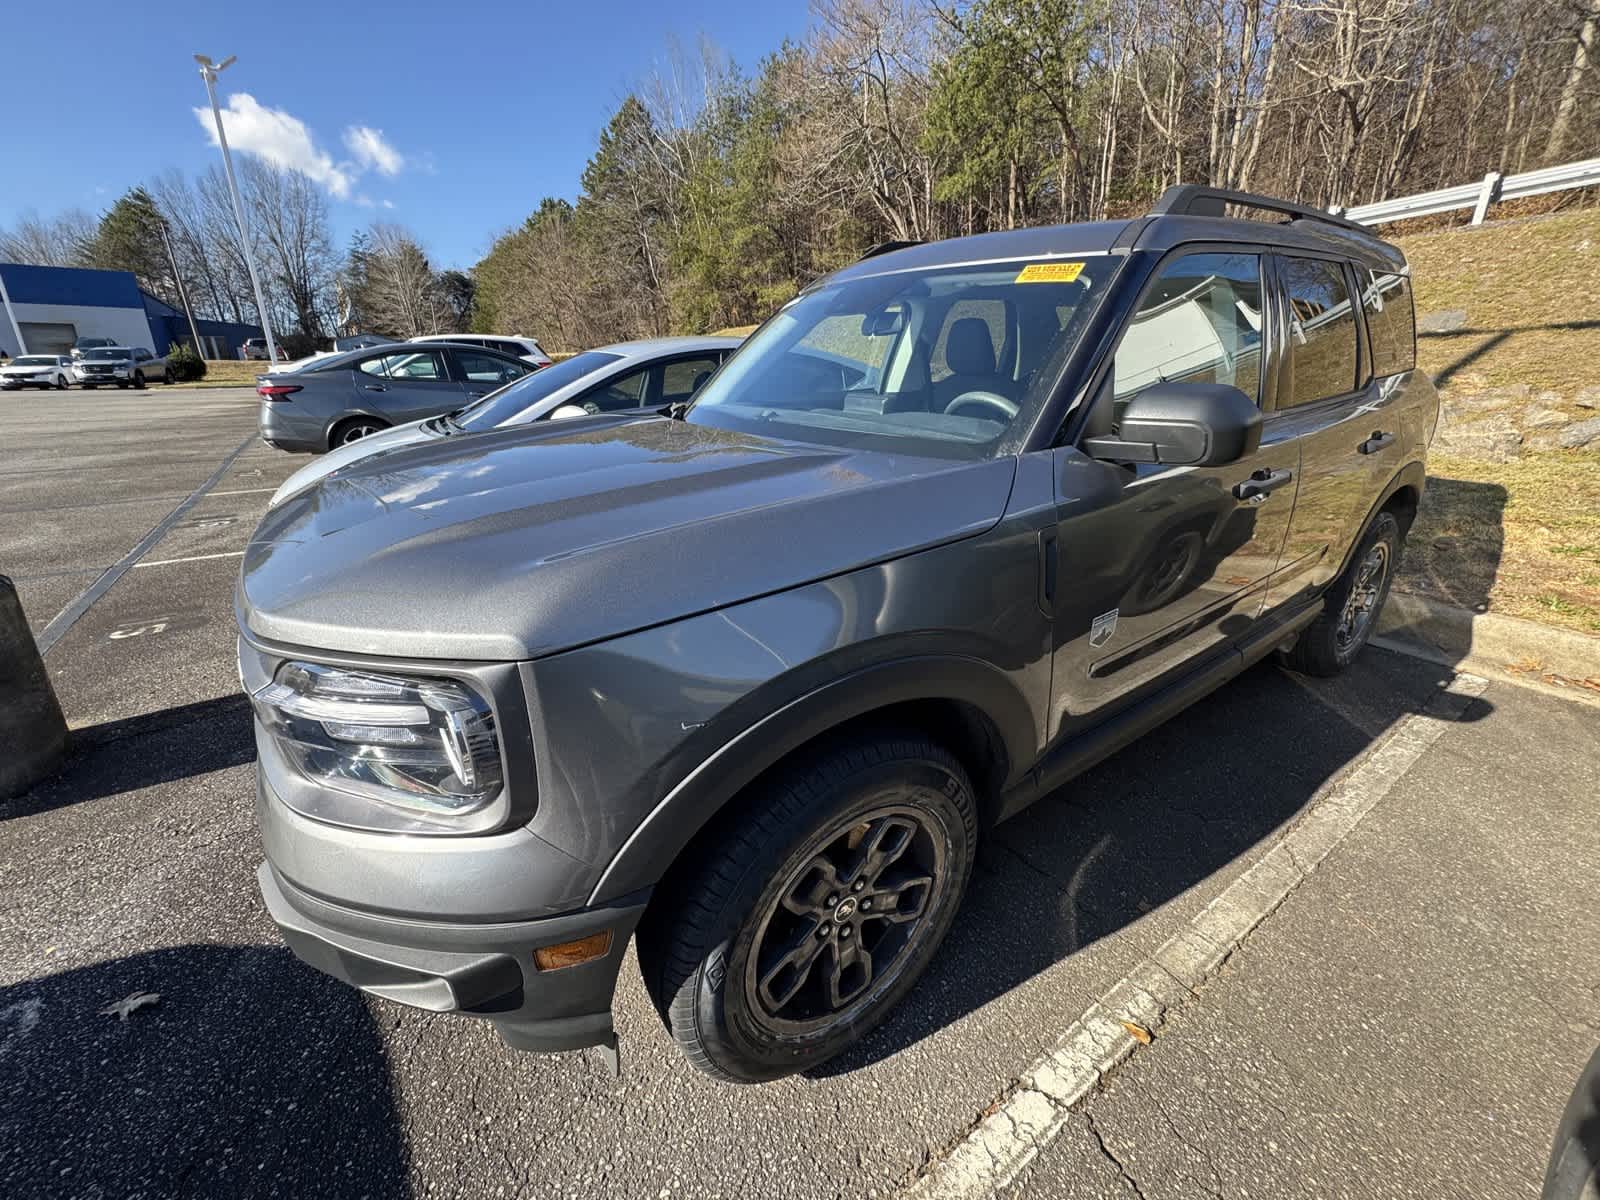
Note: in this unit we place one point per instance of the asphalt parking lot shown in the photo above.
(1407, 1021)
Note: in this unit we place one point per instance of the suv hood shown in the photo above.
(516, 543)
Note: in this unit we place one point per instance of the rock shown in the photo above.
(1588, 397)
(1490, 399)
(1548, 397)
(1580, 434)
(1543, 418)
(1545, 439)
(1493, 439)
(1446, 320)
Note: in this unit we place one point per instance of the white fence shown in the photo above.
(1478, 196)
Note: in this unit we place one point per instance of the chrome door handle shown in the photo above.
(375, 387)
(1261, 483)
(1376, 442)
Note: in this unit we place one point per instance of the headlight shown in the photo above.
(424, 746)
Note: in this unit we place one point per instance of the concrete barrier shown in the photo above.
(33, 733)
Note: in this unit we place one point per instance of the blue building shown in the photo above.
(49, 308)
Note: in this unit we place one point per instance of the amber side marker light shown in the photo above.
(570, 954)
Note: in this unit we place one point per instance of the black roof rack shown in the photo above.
(1198, 200)
(887, 247)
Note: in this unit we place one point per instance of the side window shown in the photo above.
(486, 368)
(616, 395)
(993, 314)
(1199, 322)
(1391, 322)
(679, 379)
(1323, 350)
(413, 366)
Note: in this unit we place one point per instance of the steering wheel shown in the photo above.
(994, 400)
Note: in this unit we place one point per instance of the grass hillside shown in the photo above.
(1520, 536)
(1530, 289)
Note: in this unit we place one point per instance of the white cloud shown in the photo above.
(388, 203)
(280, 139)
(372, 150)
(362, 200)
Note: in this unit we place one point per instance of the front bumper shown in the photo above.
(479, 970)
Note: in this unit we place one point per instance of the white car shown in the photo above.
(515, 345)
(36, 370)
(643, 376)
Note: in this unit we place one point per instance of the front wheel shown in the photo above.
(138, 381)
(61, 383)
(1350, 607)
(796, 933)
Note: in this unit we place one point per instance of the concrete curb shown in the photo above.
(1488, 642)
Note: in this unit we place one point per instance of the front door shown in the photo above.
(1159, 566)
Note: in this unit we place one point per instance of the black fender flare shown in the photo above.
(674, 822)
(1413, 475)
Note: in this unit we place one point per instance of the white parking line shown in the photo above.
(169, 562)
(1030, 1117)
(243, 491)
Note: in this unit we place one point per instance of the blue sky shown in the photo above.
(460, 117)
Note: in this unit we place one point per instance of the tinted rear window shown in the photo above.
(1391, 322)
(1322, 345)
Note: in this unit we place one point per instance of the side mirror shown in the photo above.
(1183, 424)
(569, 410)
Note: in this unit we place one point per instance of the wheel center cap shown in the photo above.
(846, 910)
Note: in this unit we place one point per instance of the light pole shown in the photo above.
(209, 72)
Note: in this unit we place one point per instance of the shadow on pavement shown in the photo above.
(1145, 826)
(139, 752)
(250, 1076)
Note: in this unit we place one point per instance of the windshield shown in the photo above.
(499, 407)
(33, 360)
(107, 354)
(940, 361)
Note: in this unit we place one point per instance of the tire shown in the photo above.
(61, 383)
(353, 429)
(138, 380)
(755, 957)
(1351, 606)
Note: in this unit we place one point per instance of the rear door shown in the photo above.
(1161, 566)
(1327, 401)
(406, 386)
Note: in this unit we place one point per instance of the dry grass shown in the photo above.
(1531, 292)
(1520, 538)
(228, 373)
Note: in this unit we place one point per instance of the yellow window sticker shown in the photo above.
(1058, 272)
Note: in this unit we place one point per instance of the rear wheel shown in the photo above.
(793, 936)
(353, 430)
(138, 380)
(61, 383)
(1350, 607)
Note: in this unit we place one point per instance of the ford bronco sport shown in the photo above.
(746, 680)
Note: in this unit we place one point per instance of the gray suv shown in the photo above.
(748, 679)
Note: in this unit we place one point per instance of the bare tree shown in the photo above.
(61, 241)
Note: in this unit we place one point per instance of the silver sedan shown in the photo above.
(643, 375)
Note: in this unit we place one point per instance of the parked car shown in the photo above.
(749, 682)
(637, 376)
(123, 366)
(359, 341)
(517, 346)
(345, 397)
(36, 370)
(90, 343)
(255, 348)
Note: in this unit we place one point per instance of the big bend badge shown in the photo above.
(1102, 629)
